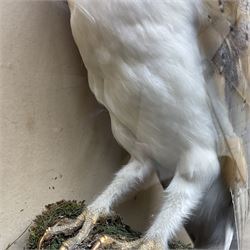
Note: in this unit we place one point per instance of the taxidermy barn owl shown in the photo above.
(145, 65)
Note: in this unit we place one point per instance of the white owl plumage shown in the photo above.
(145, 66)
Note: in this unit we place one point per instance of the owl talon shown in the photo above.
(46, 236)
(104, 240)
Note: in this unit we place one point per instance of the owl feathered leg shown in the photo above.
(196, 170)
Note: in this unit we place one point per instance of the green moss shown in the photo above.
(53, 213)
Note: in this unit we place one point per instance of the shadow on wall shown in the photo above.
(56, 141)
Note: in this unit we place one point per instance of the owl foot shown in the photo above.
(69, 226)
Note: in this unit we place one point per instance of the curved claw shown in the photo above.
(69, 244)
(64, 246)
(46, 236)
(103, 241)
